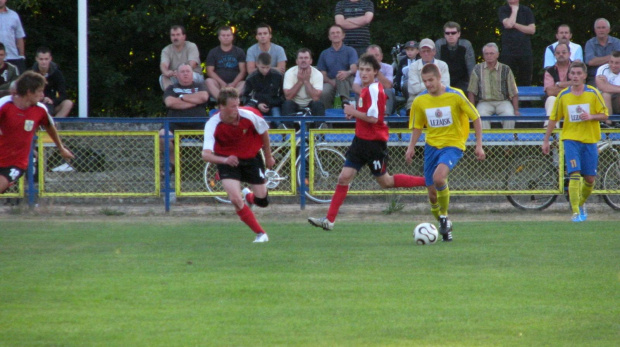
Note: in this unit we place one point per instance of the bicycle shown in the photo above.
(327, 164)
(541, 173)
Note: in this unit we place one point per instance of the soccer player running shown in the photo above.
(581, 107)
(445, 112)
(369, 146)
(21, 114)
(233, 139)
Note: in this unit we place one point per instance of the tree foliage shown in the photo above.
(126, 37)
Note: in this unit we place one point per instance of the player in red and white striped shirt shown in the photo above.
(21, 114)
(233, 139)
(369, 145)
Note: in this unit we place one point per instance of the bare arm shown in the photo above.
(64, 152)
(471, 97)
(479, 152)
(515, 104)
(526, 29)
(165, 70)
(415, 135)
(240, 76)
(269, 160)
(351, 112)
(598, 61)
(21, 47)
(604, 86)
(188, 101)
(384, 81)
(251, 66)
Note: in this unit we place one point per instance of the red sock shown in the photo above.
(250, 198)
(406, 181)
(247, 216)
(337, 200)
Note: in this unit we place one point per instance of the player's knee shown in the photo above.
(261, 202)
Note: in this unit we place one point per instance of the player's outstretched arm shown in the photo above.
(479, 152)
(64, 151)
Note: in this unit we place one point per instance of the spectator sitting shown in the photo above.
(493, 84)
(599, 48)
(385, 76)
(303, 85)
(563, 35)
(178, 52)
(185, 98)
(56, 100)
(556, 77)
(338, 65)
(400, 76)
(427, 55)
(264, 45)
(8, 73)
(608, 82)
(263, 88)
(12, 36)
(458, 53)
(225, 64)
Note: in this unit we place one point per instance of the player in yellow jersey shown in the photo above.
(445, 112)
(581, 107)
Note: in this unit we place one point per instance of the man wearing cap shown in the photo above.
(458, 53)
(400, 76)
(415, 85)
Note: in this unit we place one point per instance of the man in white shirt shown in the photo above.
(303, 85)
(563, 35)
(608, 82)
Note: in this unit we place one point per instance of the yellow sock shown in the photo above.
(435, 210)
(443, 198)
(586, 190)
(574, 189)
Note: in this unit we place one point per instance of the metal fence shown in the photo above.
(112, 163)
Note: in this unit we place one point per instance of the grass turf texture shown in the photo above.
(128, 282)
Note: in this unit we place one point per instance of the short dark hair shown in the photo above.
(227, 93)
(578, 64)
(177, 27)
(43, 50)
(29, 81)
(431, 68)
(264, 58)
(335, 26)
(369, 59)
(224, 28)
(452, 24)
(2, 48)
(563, 44)
(303, 50)
(263, 25)
(615, 54)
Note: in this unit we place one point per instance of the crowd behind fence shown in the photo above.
(127, 163)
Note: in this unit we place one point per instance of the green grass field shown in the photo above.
(120, 281)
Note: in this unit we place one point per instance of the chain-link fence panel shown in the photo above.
(194, 177)
(106, 164)
(16, 190)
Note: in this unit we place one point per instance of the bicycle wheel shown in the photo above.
(213, 183)
(532, 174)
(327, 165)
(611, 181)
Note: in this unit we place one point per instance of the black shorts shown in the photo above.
(371, 153)
(251, 171)
(12, 173)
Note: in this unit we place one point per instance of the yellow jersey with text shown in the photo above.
(569, 106)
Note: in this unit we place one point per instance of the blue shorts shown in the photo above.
(433, 156)
(582, 157)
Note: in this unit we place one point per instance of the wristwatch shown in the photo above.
(557, 84)
(181, 96)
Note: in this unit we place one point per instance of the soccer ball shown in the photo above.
(425, 234)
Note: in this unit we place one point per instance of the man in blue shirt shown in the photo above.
(338, 64)
(599, 48)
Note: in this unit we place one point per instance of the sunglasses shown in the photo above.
(450, 32)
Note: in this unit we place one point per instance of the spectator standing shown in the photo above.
(225, 64)
(263, 88)
(12, 36)
(446, 113)
(264, 45)
(563, 35)
(56, 99)
(21, 115)
(517, 25)
(233, 138)
(582, 109)
(608, 82)
(338, 64)
(458, 53)
(599, 48)
(180, 51)
(385, 77)
(8, 73)
(369, 146)
(354, 16)
(415, 85)
(185, 98)
(402, 69)
(556, 77)
(303, 85)
(493, 84)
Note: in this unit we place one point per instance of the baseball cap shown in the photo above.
(411, 44)
(427, 43)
